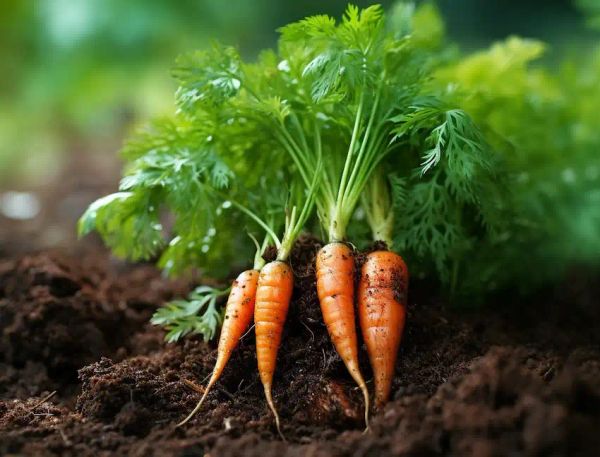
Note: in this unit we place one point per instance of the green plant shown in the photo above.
(463, 163)
(197, 314)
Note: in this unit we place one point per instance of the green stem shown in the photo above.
(295, 222)
(257, 219)
(326, 186)
(374, 158)
(377, 203)
(295, 157)
(349, 157)
(259, 262)
(301, 134)
(358, 164)
(302, 161)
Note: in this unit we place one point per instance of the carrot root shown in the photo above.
(335, 287)
(198, 405)
(238, 315)
(271, 404)
(195, 387)
(273, 296)
(382, 313)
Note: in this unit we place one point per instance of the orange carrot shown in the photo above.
(273, 295)
(335, 287)
(238, 316)
(382, 312)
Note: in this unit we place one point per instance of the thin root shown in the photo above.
(196, 388)
(355, 373)
(247, 331)
(312, 335)
(43, 400)
(365, 392)
(272, 406)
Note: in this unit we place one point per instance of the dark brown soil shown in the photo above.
(517, 378)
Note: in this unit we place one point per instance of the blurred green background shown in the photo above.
(77, 75)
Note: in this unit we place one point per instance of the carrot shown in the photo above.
(238, 316)
(382, 312)
(335, 287)
(276, 284)
(273, 296)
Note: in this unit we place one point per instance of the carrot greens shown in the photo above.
(462, 162)
(197, 314)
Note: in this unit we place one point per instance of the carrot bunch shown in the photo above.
(381, 308)
(332, 116)
(262, 294)
(366, 95)
(273, 295)
(239, 312)
(343, 120)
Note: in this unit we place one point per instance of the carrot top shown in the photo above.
(462, 162)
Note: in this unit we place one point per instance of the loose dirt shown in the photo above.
(518, 377)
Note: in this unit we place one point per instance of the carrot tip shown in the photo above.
(365, 392)
(199, 405)
(273, 410)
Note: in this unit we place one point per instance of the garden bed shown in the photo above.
(514, 378)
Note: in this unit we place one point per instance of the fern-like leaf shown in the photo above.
(196, 315)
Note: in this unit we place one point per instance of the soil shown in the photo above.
(82, 373)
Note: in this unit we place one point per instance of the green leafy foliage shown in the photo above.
(128, 223)
(196, 315)
(173, 166)
(477, 168)
(455, 177)
(539, 127)
(495, 162)
(361, 74)
(207, 76)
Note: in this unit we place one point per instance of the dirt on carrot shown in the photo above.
(508, 379)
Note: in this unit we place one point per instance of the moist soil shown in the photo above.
(82, 373)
